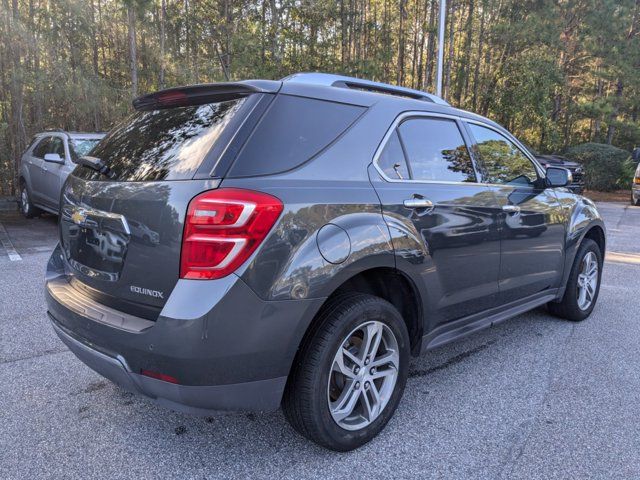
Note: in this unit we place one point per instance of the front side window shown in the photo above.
(504, 163)
(436, 150)
(56, 145)
(42, 147)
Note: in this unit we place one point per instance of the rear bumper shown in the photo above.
(228, 349)
(257, 395)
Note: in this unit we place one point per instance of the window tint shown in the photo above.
(293, 130)
(391, 160)
(42, 147)
(436, 150)
(79, 147)
(167, 144)
(56, 145)
(503, 161)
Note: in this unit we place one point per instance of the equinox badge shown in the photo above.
(147, 291)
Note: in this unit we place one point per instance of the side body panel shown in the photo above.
(53, 177)
(33, 168)
(579, 215)
(452, 252)
(532, 241)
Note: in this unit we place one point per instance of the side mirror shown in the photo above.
(558, 177)
(53, 158)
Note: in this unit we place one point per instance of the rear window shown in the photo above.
(293, 130)
(167, 144)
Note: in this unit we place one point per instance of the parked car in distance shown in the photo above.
(312, 235)
(635, 188)
(45, 165)
(577, 170)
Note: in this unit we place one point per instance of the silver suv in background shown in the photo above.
(45, 165)
(635, 188)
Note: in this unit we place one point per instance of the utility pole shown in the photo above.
(443, 10)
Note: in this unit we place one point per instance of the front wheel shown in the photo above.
(583, 285)
(350, 374)
(29, 210)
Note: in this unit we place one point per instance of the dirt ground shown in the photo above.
(615, 196)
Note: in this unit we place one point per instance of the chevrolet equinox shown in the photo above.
(256, 244)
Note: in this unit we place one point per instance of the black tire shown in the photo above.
(635, 202)
(568, 307)
(305, 402)
(28, 209)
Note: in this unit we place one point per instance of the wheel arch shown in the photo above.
(387, 283)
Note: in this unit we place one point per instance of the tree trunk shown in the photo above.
(163, 17)
(613, 116)
(133, 54)
(447, 72)
(431, 45)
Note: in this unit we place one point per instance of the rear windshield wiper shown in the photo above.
(96, 164)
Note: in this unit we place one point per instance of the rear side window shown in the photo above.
(436, 150)
(166, 144)
(292, 131)
(392, 161)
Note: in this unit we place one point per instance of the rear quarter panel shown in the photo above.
(332, 188)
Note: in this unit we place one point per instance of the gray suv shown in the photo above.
(45, 166)
(251, 245)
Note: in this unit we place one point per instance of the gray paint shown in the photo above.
(470, 264)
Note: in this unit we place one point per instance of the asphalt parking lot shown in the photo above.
(535, 397)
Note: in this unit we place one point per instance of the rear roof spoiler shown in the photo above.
(203, 93)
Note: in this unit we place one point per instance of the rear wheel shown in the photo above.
(27, 207)
(634, 201)
(583, 285)
(350, 374)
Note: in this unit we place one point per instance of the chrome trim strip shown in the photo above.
(408, 114)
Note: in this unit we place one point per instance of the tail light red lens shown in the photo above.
(223, 228)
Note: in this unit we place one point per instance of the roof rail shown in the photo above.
(56, 130)
(331, 80)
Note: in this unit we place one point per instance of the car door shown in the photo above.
(442, 221)
(35, 163)
(532, 229)
(52, 173)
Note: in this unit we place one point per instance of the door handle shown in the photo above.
(418, 203)
(511, 209)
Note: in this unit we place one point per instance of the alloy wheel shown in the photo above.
(363, 375)
(587, 280)
(24, 200)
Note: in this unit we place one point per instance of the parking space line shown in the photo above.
(8, 246)
(619, 257)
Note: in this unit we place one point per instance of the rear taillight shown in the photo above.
(223, 228)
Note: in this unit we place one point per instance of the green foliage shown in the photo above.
(556, 73)
(606, 167)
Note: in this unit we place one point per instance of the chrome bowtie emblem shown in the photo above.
(78, 217)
